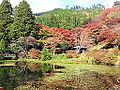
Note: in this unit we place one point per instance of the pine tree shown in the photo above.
(23, 24)
(2, 46)
(5, 18)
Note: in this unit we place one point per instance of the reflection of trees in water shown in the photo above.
(46, 68)
(11, 77)
(5, 81)
(87, 81)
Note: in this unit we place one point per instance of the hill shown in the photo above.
(66, 18)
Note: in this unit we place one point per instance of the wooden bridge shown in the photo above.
(7, 56)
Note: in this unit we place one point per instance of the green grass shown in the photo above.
(59, 57)
(7, 65)
(77, 69)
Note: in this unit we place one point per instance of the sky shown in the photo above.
(47, 5)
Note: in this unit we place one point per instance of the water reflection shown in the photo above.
(29, 76)
(13, 76)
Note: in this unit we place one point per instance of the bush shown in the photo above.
(46, 54)
(46, 68)
(71, 54)
(104, 56)
(118, 41)
(64, 46)
(34, 53)
(22, 54)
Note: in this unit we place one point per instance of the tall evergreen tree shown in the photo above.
(2, 46)
(5, 18)
(23, 24)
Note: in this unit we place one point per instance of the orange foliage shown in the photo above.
(34, 67)
(80, 36)
(103, 16)
(71, 54)
(34, 53)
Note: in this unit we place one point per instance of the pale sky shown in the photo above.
(47, 5)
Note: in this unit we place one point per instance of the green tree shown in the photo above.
(23, 24)
(64, 46)
(2, 45)
(66, 18)
(46, 68)
(5, 18)
(2, 29)
(46, 54)
(118, 41)
(117, 3)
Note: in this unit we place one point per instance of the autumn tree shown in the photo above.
(34, 53)
(62, 34)
(52, 43)
(23, 24)
(107, 36)
(42, 32)
(80, 36)
(23, 44)
(94, 31)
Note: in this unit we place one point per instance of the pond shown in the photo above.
(58, 76)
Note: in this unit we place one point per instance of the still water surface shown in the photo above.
(43, 76)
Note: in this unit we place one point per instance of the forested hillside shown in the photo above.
(66, 18)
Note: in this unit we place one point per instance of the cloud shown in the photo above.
(38, 5)
(45, 5)
(13, 2)
(109, 3)
(87, 3)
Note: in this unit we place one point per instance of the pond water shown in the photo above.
(57, 76)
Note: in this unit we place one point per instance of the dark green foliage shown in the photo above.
(118, 41)
(2, 45)
(64, 46)
(117, 3)
(23, 24)
(15, 48)
(98, 6)
(23, 44)
(5, 18)
(46, 54)
(2, 29)
(66, 18)
(5, 13)
(46, 68)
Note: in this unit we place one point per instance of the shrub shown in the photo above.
(33, 67)
(71, 54)
(118, 41)
(104, 56)
(46, 68)
(22, 54)
(64, 46)
(46, 54)
(34, 53)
